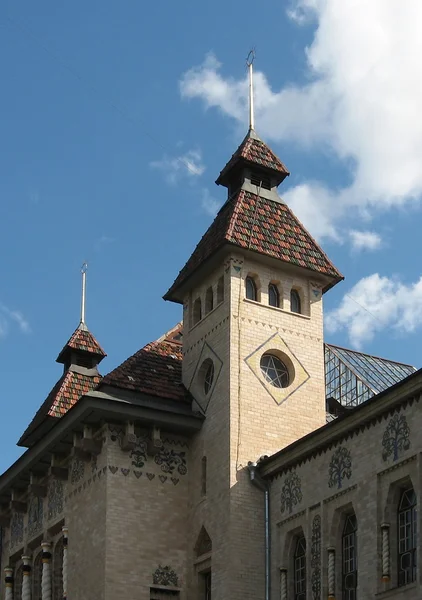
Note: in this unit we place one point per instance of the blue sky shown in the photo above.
(104, 104)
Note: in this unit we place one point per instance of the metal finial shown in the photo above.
(249, 62)
(83, 271)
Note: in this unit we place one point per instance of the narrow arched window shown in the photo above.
(406, 537)
(251, 290)
(299, 570)
(197, 311)
(58, 570)
(273, 295)
(209, 300)
(220, 290)
(204, 476)
(349, 558)
(17, 583)
(36, 576)
(295, 302)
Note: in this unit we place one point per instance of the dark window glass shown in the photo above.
(197, 311)
(295, 302)
(251, 291)
(350, 571)
(220, 290)
(207, 586)
(273, 295)
(300, 569)
(209, 300)
(274, 370)
(406, 537)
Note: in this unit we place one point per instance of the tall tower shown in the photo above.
(252, 357)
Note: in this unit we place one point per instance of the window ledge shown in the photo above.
(397, 592)
(281, 310)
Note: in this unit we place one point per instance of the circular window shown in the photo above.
(274, 370)
(208, 377)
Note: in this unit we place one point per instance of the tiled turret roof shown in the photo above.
(262, 225)
(82, 339)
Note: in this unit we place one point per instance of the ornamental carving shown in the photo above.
(170, 459)
(340, 467)
(291, 492)
(139, 453)
(396, 437)
(16, 529)
(164, 576)
(316, 558)
(78, 470)
(55, 498)
(35, 516)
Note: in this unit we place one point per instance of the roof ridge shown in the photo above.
(396, 362)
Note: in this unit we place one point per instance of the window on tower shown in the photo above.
(295, 303)
(273, 295)
(197, 311)
(220, 290)
(251, 288)
(209, 300)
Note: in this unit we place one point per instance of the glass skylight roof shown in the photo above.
(353, 377)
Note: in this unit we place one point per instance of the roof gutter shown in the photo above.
(262, 485)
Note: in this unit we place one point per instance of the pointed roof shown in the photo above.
(254, 151)
(156, 369)
(259, 224)
(81, 340)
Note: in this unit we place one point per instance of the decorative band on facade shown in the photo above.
(46, 556)
(26, 569)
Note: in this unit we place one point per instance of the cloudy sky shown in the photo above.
(116, 120)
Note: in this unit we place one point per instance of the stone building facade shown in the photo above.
(204, 467)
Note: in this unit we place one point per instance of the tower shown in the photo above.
(253, 357)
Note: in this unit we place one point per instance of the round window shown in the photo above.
(274, 370)
(208, 377)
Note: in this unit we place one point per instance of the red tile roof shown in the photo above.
(82, 339)
(255, 151)
(156, 369)
(266, 226)
(67, 391)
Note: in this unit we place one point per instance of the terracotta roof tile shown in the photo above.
(262, 225)
(156, 369)
(255, 151)
(82, 339)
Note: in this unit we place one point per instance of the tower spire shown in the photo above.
(249, 62)
(83, 271)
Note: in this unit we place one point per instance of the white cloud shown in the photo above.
(374, 304)
(10, 317)
(365, 240)
(361, 101)
(210, 204)
(189, 164)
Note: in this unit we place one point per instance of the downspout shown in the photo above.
(262, 485)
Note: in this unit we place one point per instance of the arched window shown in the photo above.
(251, 289)
(209, 300)
(220, 290)
(299, 570)
(58, 570)
(36, 576)
(406, 536)
(197, 311)
(17, 583)
(295, 302)
(273, 295)
(349, 558)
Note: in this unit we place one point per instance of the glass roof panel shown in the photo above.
(353, 377)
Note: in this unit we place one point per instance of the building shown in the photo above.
(206, 465)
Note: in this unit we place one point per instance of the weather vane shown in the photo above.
(249, 63)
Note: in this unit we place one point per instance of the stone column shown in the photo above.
(8, 583)
(26, 581)
(331, 573)
(283, 584)
(385, 539)
(65, 542)
(46, 571)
